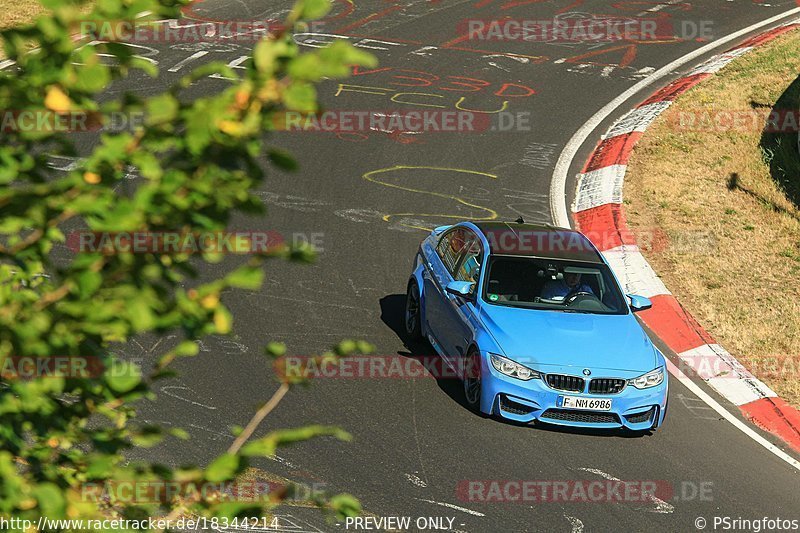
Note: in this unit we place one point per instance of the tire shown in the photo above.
(413, 313)
(472, 380)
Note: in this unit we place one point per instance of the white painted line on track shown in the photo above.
(451, 506)
(724, 413)
(558, 204)
(577, 525)
(662, 507)
(182, 63)
(415, 480)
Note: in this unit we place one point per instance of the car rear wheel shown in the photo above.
(472, 380)
(413, 316)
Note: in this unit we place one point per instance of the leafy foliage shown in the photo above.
(199, 160)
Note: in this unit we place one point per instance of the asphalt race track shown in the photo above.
(414, 440)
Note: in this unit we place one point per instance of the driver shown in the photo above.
(559, 289)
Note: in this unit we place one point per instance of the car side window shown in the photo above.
(451, 246)
(471, 264)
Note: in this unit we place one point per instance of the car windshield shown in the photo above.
(553, 285)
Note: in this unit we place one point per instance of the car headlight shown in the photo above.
(510, 368)
(651, 379)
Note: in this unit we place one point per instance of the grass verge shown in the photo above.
(17, 12)
(727, 193)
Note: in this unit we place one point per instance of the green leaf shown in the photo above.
(100, 466)
(123, 376)
(276, 349)
(51, 500)
(148, 164)
(223, 468)
(92, 77)
(246, 277)
(344, 53)
(267, 52)
(313, 9)
(140, 314)
(309, 67)
(88, 283)
(147, 436)
(233, 509)
(345, 505)
(364, 347)
(187, 349)
(346, 347)
(222, 320)
(179, 433)
(143, 64)
(162, 108)
(282, 159)
(266, 446)
(300, 96)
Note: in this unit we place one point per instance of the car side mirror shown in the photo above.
(462, 289)
(640, 303)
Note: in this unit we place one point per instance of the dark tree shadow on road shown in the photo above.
(780, 145)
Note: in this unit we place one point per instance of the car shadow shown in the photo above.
(393, 314)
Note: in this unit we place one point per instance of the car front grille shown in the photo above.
(513, 407)
(565, 383)
(587, 417)
(606, 386)
(640, 418)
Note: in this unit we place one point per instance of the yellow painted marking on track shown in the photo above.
(369, 176)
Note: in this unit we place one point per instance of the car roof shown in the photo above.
(538, 240)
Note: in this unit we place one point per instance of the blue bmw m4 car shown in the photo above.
(535, 322)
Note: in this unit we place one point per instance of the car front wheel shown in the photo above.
(472, 380)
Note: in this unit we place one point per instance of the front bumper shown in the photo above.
(534, 400)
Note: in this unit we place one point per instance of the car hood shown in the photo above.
(539, 338)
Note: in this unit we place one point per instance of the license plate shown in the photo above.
(588, 404)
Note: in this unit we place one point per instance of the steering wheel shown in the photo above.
(572, 297)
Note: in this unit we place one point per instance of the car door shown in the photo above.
(461, 315)
(440, 269)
